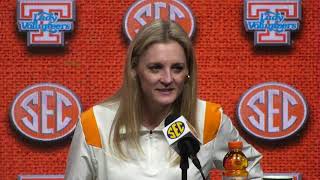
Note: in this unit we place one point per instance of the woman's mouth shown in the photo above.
(165, 90)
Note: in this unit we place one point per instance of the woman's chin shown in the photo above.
(165, 101)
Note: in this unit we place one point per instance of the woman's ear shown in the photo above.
(187, 78)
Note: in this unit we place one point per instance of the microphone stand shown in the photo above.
(184, 164)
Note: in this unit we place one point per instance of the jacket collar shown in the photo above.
(144, 129)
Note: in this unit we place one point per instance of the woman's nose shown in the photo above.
(166, 77)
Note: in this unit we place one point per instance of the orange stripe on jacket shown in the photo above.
(90, 128)
(212, 121)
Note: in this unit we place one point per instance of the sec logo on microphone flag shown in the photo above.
(143, 12)
(272, 111)
(175, 130)
(45, 112)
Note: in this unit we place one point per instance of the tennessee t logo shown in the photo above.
(272, 21)
(45, 21)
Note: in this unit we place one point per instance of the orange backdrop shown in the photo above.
(91, 66)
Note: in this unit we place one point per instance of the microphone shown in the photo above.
(181, 138)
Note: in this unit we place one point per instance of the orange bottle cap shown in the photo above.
(235, 145)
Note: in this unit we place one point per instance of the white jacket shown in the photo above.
(90, 156)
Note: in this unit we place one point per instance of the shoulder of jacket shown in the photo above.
(212, 119)
(110, 105)
(98, 117)
(90, 128)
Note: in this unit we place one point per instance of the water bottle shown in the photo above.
(235, 163)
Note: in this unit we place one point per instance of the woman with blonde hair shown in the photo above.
(122, 137)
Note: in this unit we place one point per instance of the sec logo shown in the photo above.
(272, 111)
(143, 12)
(45, 112)
(175, 130)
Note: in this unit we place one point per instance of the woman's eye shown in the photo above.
(178, 68)
(154, 68)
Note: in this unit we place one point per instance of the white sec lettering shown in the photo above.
(33, 123)
(45, 112)
(175, 12)
(288, 99)
(138, 16)
(271, 110)
(157, 10)
(62, 101)
(257, 98)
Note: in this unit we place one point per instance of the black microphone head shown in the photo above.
(189, 146)
(170, 119)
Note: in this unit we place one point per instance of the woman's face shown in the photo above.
(162, 71)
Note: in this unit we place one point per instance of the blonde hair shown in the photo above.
(129, 116)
